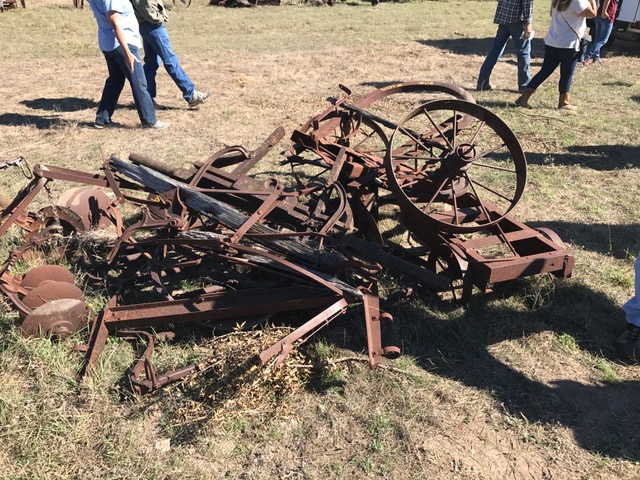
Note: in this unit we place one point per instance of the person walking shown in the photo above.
(514, 20)
(603, 26)
(152, 15)
(562, 47)
(119, 40)
(627, 343)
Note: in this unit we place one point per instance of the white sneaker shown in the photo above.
(159, 124)
(199, 98)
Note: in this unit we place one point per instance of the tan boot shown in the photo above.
(564, 102)
(523, 100)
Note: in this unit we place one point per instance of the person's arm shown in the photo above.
(605, 7)
(114, 20)
(527, 16)
(591, 11)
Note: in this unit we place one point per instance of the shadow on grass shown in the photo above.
(38, 121)
(596, 157)
(604, 418)
(66, 104)
(463, 344)
(619, 241)
(481, 46)
(623, 47)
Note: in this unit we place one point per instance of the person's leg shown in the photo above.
(628, 342)
(141, 97)
(523, 54)
(111, 92)
(632, 307)
(603, 30)
(499, 42)
(608, 29)
(568, 59)
(595, 32)
(158, 37)
(151, 58)
(550, 62)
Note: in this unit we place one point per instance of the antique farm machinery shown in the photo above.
(454, 169)
(253, 251)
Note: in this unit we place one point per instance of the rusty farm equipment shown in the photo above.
(253, 251)
(454, 170)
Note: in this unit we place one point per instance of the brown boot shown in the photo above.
(563, 102)
(523, 100)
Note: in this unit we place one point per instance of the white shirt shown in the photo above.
(567, 28)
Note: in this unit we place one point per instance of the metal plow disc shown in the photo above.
(57, 318)
(46, 273)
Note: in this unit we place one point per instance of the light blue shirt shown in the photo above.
(128, 22)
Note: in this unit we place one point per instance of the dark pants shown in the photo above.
(118, 73)
(566, 58)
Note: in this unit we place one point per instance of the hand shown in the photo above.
(131, 61)
(604, 14)
(528, 28)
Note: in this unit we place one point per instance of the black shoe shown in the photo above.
(628, 342)
(485, 87)
(157, 106)
(100, 125)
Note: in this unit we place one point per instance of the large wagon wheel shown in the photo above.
(455, 166)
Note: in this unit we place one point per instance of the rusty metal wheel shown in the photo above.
(455, 166)
(550, 235)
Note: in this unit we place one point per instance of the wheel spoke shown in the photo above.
(368, 136)
(404, 158)
(455, 128)
(473, 140)
(498, 194)
(414, 138)
(424, 110)
(482, 207)
(494, 167)
(437, 192)
(456, 220)
(489, 152)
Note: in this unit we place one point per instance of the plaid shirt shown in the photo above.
(513, 11)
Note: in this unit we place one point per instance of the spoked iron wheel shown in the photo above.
(455, 166)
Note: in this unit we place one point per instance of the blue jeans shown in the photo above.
(155, 41)
(118, 73)
(566, 58)
(523, 52)
(603, 29)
